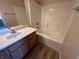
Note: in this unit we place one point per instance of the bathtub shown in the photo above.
(50, 42)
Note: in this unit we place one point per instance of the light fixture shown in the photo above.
(51, 9)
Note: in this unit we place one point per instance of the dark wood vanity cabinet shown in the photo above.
(31, 40)
(20, 48)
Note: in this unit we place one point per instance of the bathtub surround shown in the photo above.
(56, 19)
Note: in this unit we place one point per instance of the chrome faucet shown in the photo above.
(11, 30)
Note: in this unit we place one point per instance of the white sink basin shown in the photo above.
(13, 35)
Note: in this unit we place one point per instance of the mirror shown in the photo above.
(1, 24)
(13, 13)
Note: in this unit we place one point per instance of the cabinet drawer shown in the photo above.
(31, 43)
(2, 55)
(24, 49)
(16, 54)
(16, 45)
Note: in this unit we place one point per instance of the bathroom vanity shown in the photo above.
(17, 48)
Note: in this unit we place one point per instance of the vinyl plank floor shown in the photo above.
(41, 51)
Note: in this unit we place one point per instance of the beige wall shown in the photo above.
(71, 48)
(7, 9)
(55, 22)
(35, 9)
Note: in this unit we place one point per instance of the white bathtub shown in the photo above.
(50, 42)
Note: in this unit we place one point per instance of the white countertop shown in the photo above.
(4, 42)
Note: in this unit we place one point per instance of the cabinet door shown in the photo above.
(2, 55)
(16, 54)
(20, 51)
(15, 46)
(32, 40)
(5, 55)
(23, 50)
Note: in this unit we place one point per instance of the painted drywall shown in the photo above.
(70, 47)
(35, 9)
(55, 19)
(7, 10)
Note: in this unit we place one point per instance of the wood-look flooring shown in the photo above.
(41, 51)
